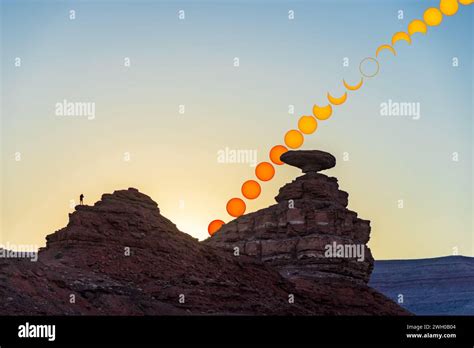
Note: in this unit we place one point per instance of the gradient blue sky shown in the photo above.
(174, 157)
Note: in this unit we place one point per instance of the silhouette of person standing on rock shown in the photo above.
(81, 199)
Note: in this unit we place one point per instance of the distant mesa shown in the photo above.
(434, 286)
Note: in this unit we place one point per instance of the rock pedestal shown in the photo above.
(309, 233)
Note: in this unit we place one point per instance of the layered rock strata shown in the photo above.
(309, 232)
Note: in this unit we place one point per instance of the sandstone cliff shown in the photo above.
(122, 257)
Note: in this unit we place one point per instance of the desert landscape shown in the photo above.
(122, 257)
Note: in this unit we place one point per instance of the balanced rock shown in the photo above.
(309, 161)
(309, 233)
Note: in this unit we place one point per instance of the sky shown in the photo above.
(139, 137)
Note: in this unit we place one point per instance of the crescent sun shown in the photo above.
(337, 101)
(355, 87)
(401, 35)
(417, 26)
(322, 112)
(385, 47)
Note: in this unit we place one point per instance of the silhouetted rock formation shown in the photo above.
(122, 257)
(310, 218)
